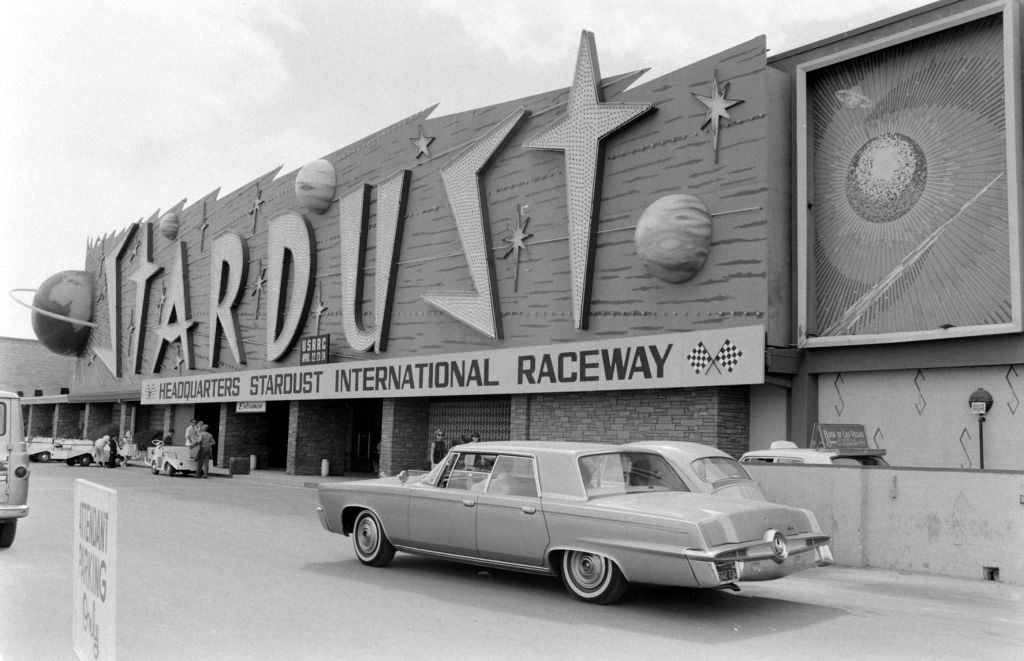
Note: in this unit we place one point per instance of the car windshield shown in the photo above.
(716, 469)
(614, 473)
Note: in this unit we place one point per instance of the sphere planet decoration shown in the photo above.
(62, 312)
(315, 184)
(909, 228)
(169, 223)
(673, 237)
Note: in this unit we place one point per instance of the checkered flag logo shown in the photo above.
(729, 355)
(699, 357)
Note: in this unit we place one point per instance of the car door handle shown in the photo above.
(529, 510)
(469, 502)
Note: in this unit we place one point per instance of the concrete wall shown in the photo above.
(933, 521)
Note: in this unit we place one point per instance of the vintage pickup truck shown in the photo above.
(70, 450)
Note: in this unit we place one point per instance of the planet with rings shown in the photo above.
(62, 311)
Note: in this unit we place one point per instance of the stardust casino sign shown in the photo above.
(674, 360)
(226, 301)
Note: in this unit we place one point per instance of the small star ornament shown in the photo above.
(718, 108)
(422, 144)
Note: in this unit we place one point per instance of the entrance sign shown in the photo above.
(94, 605)
(250, 407)
(720, 357)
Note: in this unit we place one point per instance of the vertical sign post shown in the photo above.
(94, 606)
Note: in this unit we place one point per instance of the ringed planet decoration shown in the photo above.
(315, 184)
(169, 224)
(673, 237)
(62, 311)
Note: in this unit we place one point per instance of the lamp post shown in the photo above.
(980, 402)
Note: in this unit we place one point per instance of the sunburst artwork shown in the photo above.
(909, 229)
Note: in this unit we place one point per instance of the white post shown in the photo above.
(252, 462)
(325, 467)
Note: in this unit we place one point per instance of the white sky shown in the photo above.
(112, 110)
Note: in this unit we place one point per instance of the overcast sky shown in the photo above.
(114, 110)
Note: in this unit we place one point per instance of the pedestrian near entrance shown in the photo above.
(192, 433)
(205, 443)
(102, 445)
(438, 449)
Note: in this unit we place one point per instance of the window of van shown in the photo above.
(3, 417)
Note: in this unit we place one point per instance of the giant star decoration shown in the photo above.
(579, 133)
(718, 108)
(255, 210)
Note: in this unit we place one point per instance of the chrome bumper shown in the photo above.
(323, 518)
(761, 560)
(13, 511)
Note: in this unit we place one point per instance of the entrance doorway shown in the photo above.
(364, 453)
(277, 435)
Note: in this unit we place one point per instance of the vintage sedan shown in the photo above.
(600, 516)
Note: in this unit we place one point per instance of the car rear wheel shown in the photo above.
(592, 578)
(152, 467)
(43, 457)
(7, 531)
(372, 546)
(85, 460)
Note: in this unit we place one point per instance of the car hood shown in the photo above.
(723, 520)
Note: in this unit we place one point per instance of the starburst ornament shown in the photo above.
(517, 240)
(718, 108)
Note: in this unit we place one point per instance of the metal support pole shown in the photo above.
(981, 442)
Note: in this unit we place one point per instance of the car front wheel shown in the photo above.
(372, 545)
(7, 532)
(43, 457)
(169, 470)
(592, 578)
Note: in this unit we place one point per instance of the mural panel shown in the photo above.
(910, 224)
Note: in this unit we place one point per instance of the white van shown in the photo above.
(13, 468)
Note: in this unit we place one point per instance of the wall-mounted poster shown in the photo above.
(907, 202)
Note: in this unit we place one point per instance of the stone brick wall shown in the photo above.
(713, 416)
(41, 419)
(404, 429)
(68, 421)
(27, 365)
(99, 415)
(318, 430)
(519, 417)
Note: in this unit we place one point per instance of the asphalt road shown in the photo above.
(238, 569)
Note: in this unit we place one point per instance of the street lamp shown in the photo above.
(980, 401)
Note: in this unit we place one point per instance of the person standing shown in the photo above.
(438, 449)
(102, 443)
(192, 433)
(205, 443)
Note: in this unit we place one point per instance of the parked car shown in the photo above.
(600, 516)
(14, 470)
(787, 452)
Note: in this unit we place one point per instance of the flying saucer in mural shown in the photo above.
(910, 216)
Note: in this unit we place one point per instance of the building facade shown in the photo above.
(727, 254)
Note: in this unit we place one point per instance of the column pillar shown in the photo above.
(404, 434)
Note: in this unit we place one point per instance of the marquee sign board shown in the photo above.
(673, 360)
(408, 260)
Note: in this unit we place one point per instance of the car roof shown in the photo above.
(813, 455)
(576, 448)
